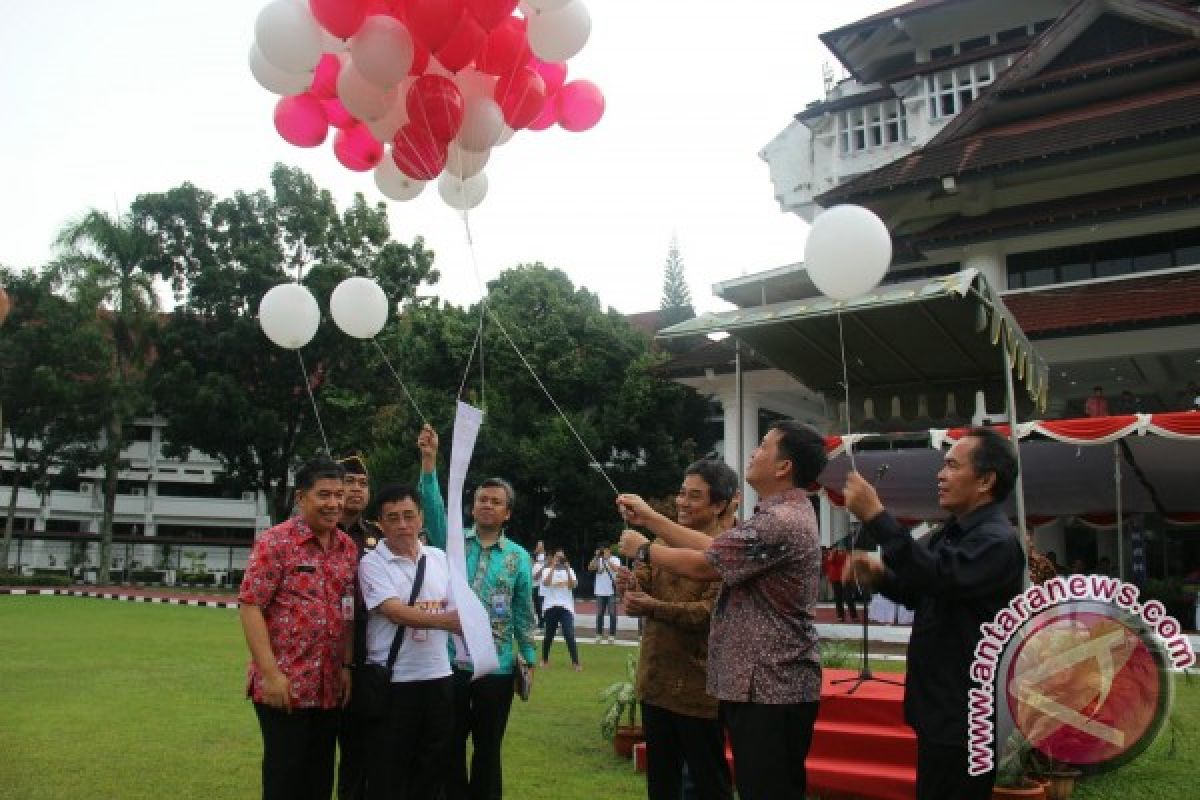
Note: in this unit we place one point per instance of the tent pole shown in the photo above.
(1120, 526)
(741, 444)
(1011, 400)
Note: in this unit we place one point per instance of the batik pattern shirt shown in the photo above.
(300, 586)
(500, 577)
(763, 646)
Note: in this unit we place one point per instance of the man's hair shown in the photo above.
(353, 464)
(396, 493)
(804, 447)
(318, 469)
(500, 483)
(721, 479)
(993, 453)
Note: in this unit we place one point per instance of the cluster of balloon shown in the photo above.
(423, 89)
(848, 252)
(289, 316)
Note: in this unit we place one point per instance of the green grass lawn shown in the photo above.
(103, 699)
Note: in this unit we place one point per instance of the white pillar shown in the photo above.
(750, 438)
(990, 261)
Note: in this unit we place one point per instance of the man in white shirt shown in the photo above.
(605, 565)
(409, 746)
(558, 593)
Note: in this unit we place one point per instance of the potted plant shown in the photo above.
(621, 698)
(1059, 777)
(1012, 772)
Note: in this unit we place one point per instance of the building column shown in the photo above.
(990, 262)
(749, 440)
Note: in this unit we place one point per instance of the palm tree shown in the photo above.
(107, 263)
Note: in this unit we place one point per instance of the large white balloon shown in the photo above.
(289, 315)
(382, 50)
(359, 307)
(463, 194)
(544, 5)
(848, 252)
(361, 97)
(273, 79)
(384, 128)
(394, 184)
(465, 163)
(483, 123)
(561, 34)
(288, 36)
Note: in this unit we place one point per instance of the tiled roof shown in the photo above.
(1130, 301)
(1068, 132)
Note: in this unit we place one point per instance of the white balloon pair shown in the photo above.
(289, 314)
(848, 252)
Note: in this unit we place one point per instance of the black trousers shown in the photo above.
(480, 711)
(409, 748)
(558, 616)
(606, 603)
(770, 743)
(538, 600)
(942, 774)
(844, 593)
(298, 750)
(673, 740)
(352, 756)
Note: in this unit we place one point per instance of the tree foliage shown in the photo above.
(676, 296)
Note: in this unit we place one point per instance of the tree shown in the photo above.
(53, 379)
(223, 387)
(676, 296)
(108, 265)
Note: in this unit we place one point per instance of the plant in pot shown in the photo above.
(1013, 772)
(621, 699)
(1059, 777)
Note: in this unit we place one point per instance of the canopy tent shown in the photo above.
(1067, 469)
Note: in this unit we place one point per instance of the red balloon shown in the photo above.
(460, 49)
(417, 154)
(549, 114)
(521, 97)
(301, 120)
(393, 8)
(431, 22)
(357, 149)
(553, 73)
(506, 48)
(435, 104)
(420, 59)
(324, 82)
(490, 13)
(580, 105)
(342, 18)
(338, 116)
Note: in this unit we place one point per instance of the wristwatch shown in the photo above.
(643, 554)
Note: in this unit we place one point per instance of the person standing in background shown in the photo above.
(558, 583)
(605, 565)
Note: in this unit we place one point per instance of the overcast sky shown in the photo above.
(101, 101)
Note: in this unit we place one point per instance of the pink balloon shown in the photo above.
(417, 154)
(521, 97)
(431, 22)
(506, 48)
(357, 149)
(549, 114)
(301, 120)
(337, 114)
(491, 13)
(460, 49)
(324, 82)
(554, 74)
(342, 18)
(580, 106)
(435, 104)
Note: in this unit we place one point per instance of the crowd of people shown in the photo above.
(349, 624)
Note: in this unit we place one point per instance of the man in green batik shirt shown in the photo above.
(498, 571)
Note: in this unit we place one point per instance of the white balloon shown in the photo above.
(463, 194)
(848, 251)
(505, 136)
(359, 307)
(483, 122)
(382, 50)
(544, 5)
(473, 83)
(384, 129)
(273, 79)
(560, 34)
(288, 36)
(362, 98)
(394, 184)
(289, 316)
(462, 163)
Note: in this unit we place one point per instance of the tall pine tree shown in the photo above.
(676, 297)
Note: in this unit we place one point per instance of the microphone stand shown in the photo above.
(864, 673)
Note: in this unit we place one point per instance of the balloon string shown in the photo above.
(313, 400)
(396, 375)
(846, 389)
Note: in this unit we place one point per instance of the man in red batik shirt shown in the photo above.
(297, 612)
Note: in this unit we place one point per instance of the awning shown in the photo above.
(926, 337)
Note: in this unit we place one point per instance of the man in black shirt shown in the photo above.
(955, 579)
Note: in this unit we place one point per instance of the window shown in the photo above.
(945, 51)
(974, 44)
(871, 126)
(1012, 34)
(950, 91)
(1104, 259)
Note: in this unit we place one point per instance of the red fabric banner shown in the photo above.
(1184, 423)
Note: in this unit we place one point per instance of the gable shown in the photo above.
(1111, 35)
